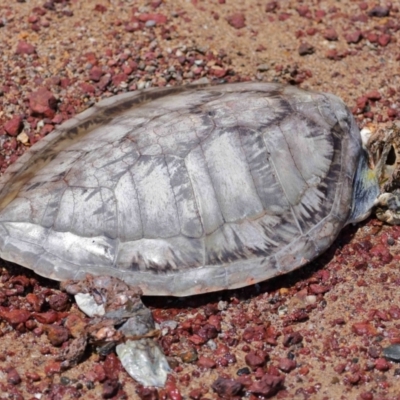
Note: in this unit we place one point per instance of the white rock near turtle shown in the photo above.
(180, 191)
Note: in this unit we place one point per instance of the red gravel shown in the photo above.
(318, 333)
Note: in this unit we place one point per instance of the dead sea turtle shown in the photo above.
(180, 191)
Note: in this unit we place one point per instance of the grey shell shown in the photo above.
(184, 191)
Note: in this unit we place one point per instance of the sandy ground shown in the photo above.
(323, 328)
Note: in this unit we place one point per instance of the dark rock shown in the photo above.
(110, 389)
(226, 387)
(305, 49)
(379, 11)
(392, 352)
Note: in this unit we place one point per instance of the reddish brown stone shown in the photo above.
(373, 95)
(43, 103)
(99, 373)
(271, 6)
(59, 302)
(215, 320)
(382, 364)
(286, 365)
(267, 386)
(100, 8)
(119, 78)
(303, 11)
(364, 328)
(13, 377)
(218, 72)
(384, 40)
(254, 333)
(96, 73)
(319, 14)
(112, 366)
(110, 389)
(35, 301)
(173, 392)
(33, 376)
(87, 88)
(226, 387)
(237, 20)
(206, 362)
(318, 289)
(14, 125)
(354, 378)
(196, 339)
(353, 37)
(256, 358)
(330, 34)
(25, 48)
(75, 324)
(47, 317)
(394, 312)
(52, 367)
(14, 317)
(158, 18)
(56, 334)
(149, 393)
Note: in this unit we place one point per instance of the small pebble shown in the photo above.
(243, 371)
(381, 364)
(13, 377)
(14, 125)
(226, 387)
(25, 48)
(330, 34)
(286, 364)
(206, 362)
(256, 358)
(263, 67)
(222, 305)
(189, 356)
(237, 20)
(305, 49)
(379, 11)
(110, 389)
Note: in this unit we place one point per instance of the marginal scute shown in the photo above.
(184, 190)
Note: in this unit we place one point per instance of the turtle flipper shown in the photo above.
(119, 318)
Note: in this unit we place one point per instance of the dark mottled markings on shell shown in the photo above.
(183, 191)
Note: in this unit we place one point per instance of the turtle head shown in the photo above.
(377, 181)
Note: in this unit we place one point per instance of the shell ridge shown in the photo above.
(137, 196)
(247, 160)
(283, 189)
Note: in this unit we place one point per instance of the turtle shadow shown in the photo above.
(250, 292)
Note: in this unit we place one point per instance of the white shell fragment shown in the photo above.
(365, 134)
(88, 305)
(121, 317)
(144, 362)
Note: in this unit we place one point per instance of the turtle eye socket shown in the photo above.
(391, 157)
